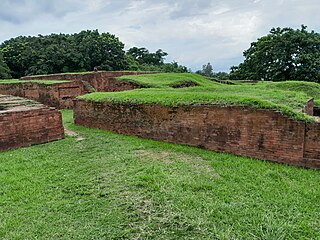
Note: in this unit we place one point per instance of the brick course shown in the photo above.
(101, 81)
(25, 125)
(263, 134)
(59, 95)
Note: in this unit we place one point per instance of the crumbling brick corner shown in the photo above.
(25, 123)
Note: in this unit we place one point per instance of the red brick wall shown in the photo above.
(58, 95)
(312, 143)
(25, 128)
(101, 81)
(244, 131)
(61, 95)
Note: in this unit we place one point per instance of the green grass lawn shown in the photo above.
(45, 82)
(110, 186)
(309, 88)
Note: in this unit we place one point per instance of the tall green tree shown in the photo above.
(143, 60)
(63, 53)
(207, 70)
(143, 56)
(4, 69)
(283, 54)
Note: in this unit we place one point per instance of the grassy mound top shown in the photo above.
(164, 80)
(309, 88)
(288, 98)
(45, 82)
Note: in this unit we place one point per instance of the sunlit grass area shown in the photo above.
(110, 186)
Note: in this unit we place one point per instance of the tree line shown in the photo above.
(283, 54)
(79, 52)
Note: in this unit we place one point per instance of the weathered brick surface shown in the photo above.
(309, 107)
(28, 125)
(101, 81)
(312, 143)
(262, 134)
(61, 95)
(57, 95)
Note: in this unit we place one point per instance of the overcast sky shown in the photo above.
(193, 32)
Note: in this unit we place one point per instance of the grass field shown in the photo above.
(110, 186)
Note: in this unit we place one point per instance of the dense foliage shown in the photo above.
(143, 56)
(4, 69)
(63, 53)
(284, 54)
(79, 52)
(140, 59)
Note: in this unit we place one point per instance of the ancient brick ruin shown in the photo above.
(33, 123)
(100, 81)
(24, 123)
(59, 95)
(263, 134)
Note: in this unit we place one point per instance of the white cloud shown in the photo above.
(193, 32)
